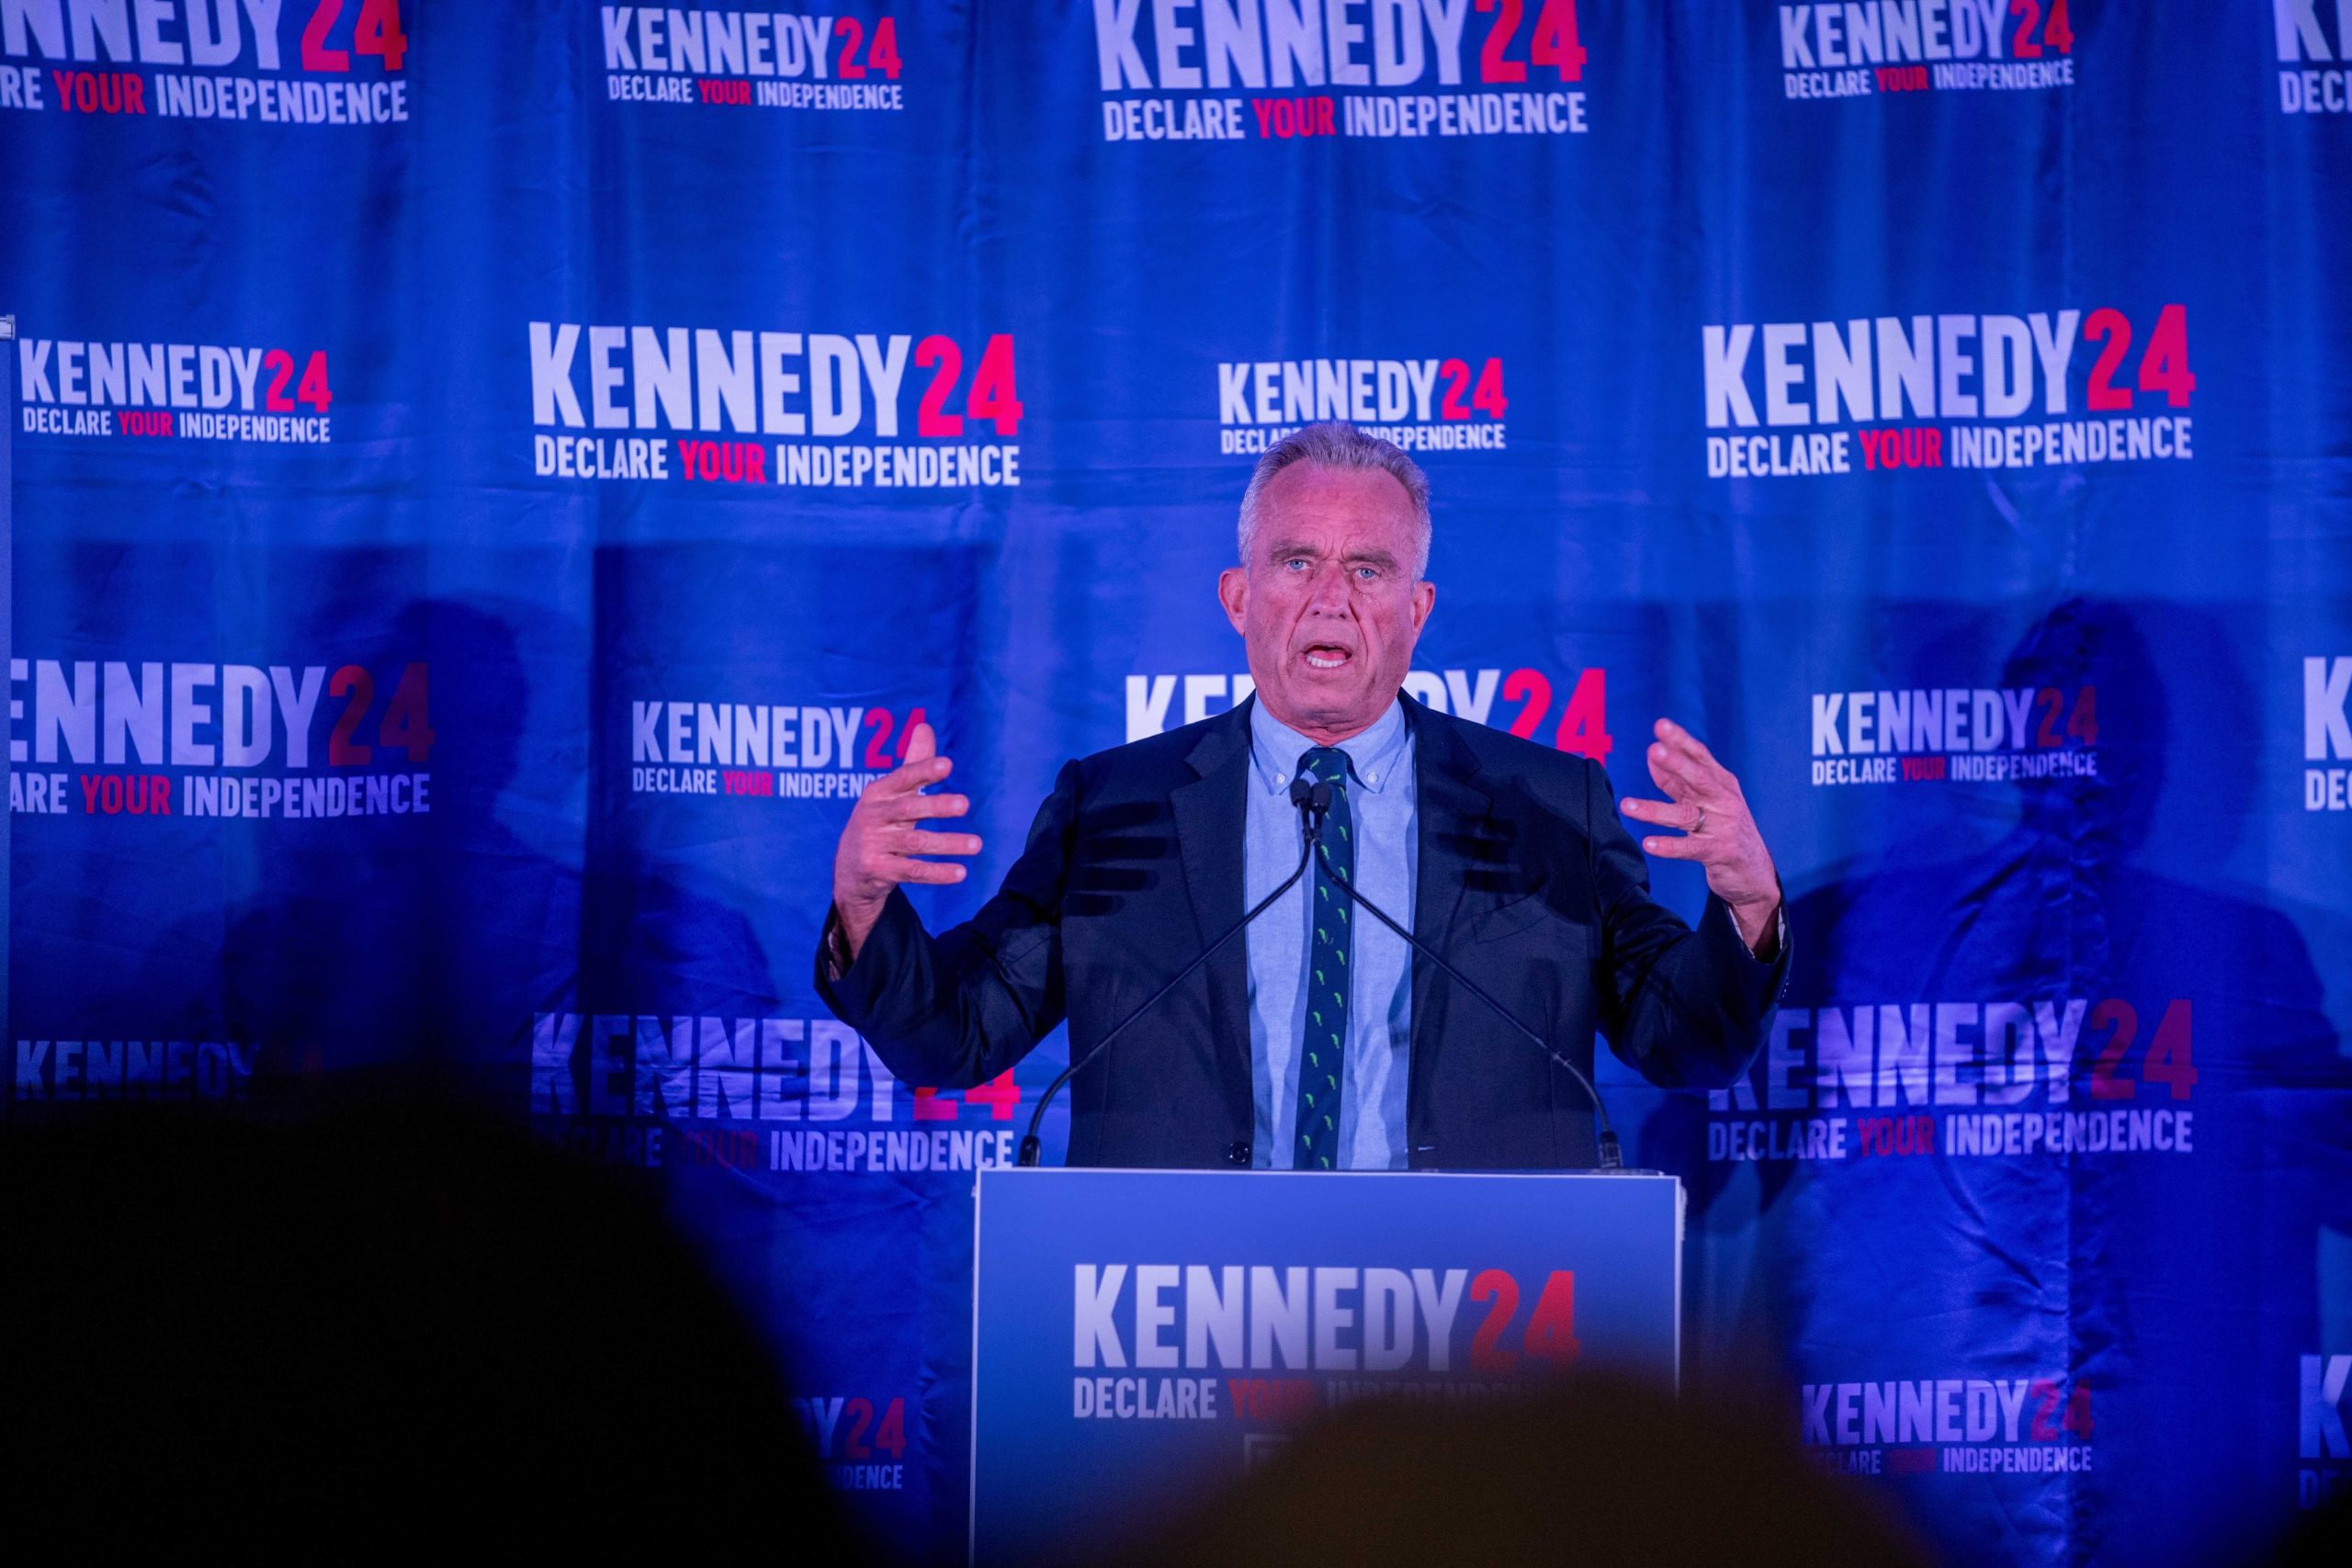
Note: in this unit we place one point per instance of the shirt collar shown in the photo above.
(1374, 755)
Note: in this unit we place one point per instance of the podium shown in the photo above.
(1138, 1335)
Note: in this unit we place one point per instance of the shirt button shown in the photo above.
(1237, 1154)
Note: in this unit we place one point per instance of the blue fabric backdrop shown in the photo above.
(493, 481)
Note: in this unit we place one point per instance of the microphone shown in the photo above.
(1031, 1147)
(1611, 1157)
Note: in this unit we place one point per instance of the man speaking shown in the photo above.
(1319, 1041)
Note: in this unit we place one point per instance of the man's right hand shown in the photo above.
(885, 835)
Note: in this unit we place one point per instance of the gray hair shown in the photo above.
(1335, 445)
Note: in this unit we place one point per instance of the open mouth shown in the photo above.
(1326, 656)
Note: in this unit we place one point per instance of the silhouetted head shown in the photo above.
(388, 1314)
(2095, 689)
(1592, 1470)
(480, 693)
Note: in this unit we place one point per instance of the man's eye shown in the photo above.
(1368, 573)
(1295, 561)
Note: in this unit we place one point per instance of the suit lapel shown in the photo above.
(1209, 822)
(1211, 831)
(1450, 810)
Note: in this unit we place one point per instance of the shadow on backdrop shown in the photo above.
(439, 939)
(2177, 1288)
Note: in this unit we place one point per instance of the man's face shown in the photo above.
(1327, 606)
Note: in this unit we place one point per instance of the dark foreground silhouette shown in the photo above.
(381, 1317)
(1593, 1469)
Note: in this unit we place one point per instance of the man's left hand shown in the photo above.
(1705, 801)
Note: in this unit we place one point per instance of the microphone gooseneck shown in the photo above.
(1314, 803)
(1030, 1145)
(1611, 1155)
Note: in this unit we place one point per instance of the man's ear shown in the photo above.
(1424, 600)
(1233, 592)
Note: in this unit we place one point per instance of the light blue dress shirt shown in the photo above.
(1380, 1007)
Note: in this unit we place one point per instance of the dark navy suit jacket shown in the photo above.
(1527, 882)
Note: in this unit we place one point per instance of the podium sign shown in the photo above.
(1139, 1333)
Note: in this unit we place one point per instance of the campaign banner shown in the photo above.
(1139, 1333)
(7, 611)
(493, 484)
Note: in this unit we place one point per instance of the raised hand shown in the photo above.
(885, 835)
(1705, 802)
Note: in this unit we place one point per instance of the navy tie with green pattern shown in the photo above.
(1323, 1054)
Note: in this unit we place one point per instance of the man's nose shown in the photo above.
(1330, 591)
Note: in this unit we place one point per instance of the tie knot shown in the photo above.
(1324, 764)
